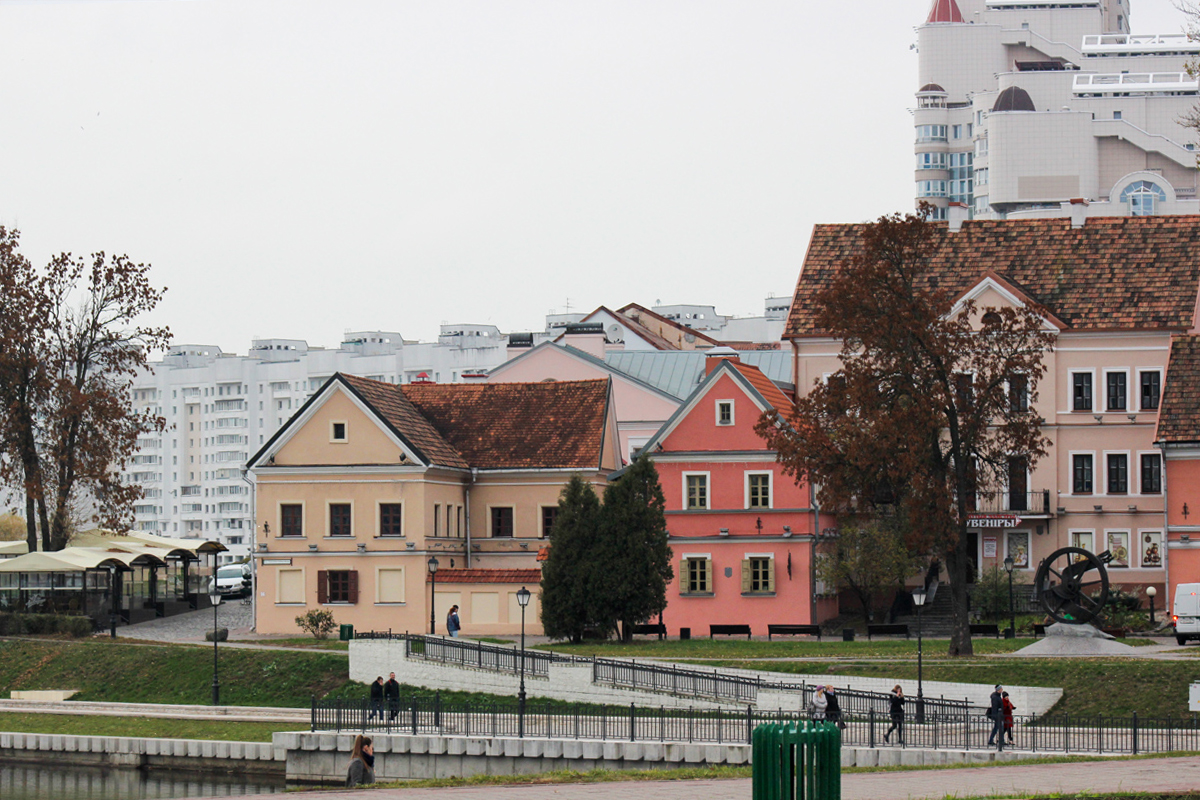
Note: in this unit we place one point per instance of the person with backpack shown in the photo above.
(995, 713)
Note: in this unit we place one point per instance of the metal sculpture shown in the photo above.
(1072, 584)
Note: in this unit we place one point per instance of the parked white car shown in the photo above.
(229, 580)
(1185, 612)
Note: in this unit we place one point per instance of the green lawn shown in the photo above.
(306, 642)
(89, 725)
(1091, 686)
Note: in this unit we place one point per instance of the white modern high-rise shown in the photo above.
(1026, 106)
(221, 407)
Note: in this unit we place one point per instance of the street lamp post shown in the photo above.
(918, 596)
(433, 565)
(1011, 633)
(214, 596)
(112, 611)
(1150, 592)
(523, 601)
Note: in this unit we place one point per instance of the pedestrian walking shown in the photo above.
(995, 713)
(453, 626)
(818, 705)
(896, 712)
(1008, 715)
(391, 693)
(833, 710)
(376, 699)
(362, 762)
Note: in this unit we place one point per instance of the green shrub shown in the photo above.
(222, 635)
(318, 622)
(45, 625)
(989, 595)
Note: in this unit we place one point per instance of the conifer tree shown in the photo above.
(568, 586)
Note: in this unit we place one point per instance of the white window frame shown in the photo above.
(1162, 474)
(379, 518)
(1161, 382)
(770, 488)
(707, 491)
(1028, 556)
(1071, 473)
(514, 536)
(379, 583)
(1130, 558)
(683, 577)
(345, 429)
(328, 526)
(303, 518)
(717, 412)
(1109, 371)
(1071, 532)
(541, 518)
(1140, 544)
(1071, 391)
(1128, 474)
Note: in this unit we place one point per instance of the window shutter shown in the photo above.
(745, 575)
(353, 586)
(322, 587)
(770, 574)
(708, 576)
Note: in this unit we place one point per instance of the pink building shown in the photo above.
(743, 534)
(1178, 436)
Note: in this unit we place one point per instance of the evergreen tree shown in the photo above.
(634, 552)
(569, 599)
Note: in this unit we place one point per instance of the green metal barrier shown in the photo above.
(797, 761)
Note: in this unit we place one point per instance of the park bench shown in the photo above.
(655, 629)
(1038, 630)
(793, 630)
(728, 630)
(887, 630)
(984, 629)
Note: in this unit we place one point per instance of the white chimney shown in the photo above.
(1078, 208)
(957, 214)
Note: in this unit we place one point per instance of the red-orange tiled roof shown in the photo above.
(1114, 273)
(765, 386)
(1179, 412)
(486, 576)
(558, 424)
(390, 402)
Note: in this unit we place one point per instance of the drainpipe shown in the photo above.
(253, 547)
(1166, 548)
(812, 555)
(467, 516)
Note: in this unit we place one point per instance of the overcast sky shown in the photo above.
(297, 169)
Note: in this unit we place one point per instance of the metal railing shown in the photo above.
(1001, 502)
(714, 685)
(1052, 734)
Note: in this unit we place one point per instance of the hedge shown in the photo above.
(25, 624)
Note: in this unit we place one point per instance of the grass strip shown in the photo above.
(141, 727)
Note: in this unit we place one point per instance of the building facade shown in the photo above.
(1026, 104)
(221, 407)
(369, 481)
(1115, 292)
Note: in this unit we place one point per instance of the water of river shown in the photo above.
(30, 782)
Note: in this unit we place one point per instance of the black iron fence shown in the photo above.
(1051, 734)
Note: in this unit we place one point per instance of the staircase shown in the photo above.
(936, 616)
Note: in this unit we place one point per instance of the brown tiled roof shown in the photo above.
(1113, 273)
(391, 404)
(765, 386)
(557, 424)
(656, 341)
(753, 346)
(635, 312)
(486, 576)
(1179, 412)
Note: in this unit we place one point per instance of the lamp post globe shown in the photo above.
(214, 596)
(432, 564)
(1009, 565)
(523, 596)
(1151, 592)
(918, 596)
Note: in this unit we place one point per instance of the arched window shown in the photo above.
(1142, 197)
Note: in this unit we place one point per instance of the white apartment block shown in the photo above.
(221, 407)
(1026, 106)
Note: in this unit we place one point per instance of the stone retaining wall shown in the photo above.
(119, 751)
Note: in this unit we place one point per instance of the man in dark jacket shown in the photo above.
(391, 692)
(376, 699)
(996, 715)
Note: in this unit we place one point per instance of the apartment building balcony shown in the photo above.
(1126, 83)
(1128, 44)
(1024, 504)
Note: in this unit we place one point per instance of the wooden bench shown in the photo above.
(886, 630)
(728, 630)
(650, 630)
(984, 629)
(1038, 630)
(793, 630)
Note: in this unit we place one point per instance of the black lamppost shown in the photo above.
(433, 565)
(1011, 633)
(522, 601)
(1150, 592)
(918, 596)
(214, 596)
(112, 590)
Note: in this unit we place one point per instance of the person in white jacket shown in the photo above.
(818, 705)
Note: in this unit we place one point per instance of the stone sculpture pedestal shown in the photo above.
(1075, 640)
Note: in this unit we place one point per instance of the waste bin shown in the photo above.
(847, 634)
(346, 633)
(685, 634)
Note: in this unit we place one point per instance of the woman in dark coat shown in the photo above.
(833, 711)
(362, 762)
(896, 712)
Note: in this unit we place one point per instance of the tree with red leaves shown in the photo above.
(933, 399)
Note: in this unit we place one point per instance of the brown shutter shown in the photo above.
(770, 574)
(322, 587)
(708, 576)
(353, 586)
(745, 575)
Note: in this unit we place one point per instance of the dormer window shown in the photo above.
(724, 412)
(337, 432)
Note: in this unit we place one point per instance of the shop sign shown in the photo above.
(989, 547)
(992, 521)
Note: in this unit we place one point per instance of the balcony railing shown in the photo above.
(1130, 44)
(1032, 503)
(1130, 82)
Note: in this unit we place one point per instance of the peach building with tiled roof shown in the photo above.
(370, 481)
(1178, 436)
(1115, 291)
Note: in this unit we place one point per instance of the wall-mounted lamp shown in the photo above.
(312, 548)
(724, 531)
(1132, 417)
(362, 547)
(1133, 508)
(1097, 508)
(524, 545)
(1185, 511)
(262, 547)
(787, 531)
(1183, 537)
(1099, 418)
(410, 545)
(1062, 510)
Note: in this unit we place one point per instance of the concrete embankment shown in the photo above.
(136, 753)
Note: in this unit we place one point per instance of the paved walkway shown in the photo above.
(1154, 776)
(191, 626)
